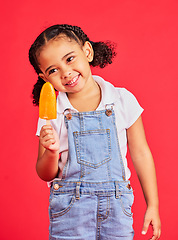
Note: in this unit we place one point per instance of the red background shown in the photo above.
(146, 64)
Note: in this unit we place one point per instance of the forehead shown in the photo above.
(60, 45)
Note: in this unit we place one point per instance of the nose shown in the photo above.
(65, 72)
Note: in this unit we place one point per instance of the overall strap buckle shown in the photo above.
(78, 190)
(109, 109)
(68, 114)
(117, 189)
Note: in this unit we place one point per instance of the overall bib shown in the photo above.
(93, 200)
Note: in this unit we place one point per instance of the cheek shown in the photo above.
(85, 66)
(56, 82)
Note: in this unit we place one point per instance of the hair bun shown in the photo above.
(104, 52)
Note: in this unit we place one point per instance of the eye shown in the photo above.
(70, 59)
(52, 71)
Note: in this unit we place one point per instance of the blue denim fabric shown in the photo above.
(93, 200)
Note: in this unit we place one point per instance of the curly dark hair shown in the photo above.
(104, 52)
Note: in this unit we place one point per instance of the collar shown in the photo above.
(108, 91)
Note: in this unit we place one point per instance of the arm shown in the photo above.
(145, 169)
(48, 154)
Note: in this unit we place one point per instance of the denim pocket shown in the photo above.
(93, 148)
(126, 200)
(60, 204)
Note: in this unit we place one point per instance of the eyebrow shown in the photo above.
(62, 59)
(67, 54)
(48, 68)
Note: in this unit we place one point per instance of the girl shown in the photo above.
(83, 153)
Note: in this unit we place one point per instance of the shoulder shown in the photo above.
(109, 88)
(112, 94)
(126, 100)
(125, 95)
(129, 106)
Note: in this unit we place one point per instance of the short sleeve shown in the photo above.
(131, 108)
(40, 124)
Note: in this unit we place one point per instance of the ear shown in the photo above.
(88, 50)
(41, 75)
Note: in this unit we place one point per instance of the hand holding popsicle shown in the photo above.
(49, 138)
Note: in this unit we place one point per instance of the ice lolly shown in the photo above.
(47, 103)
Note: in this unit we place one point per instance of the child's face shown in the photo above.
(65, 64)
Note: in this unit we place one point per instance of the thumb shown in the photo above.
(145, 226)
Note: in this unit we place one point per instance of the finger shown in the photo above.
(154, 238)
(45, 132)
(49, 142)
(145, 226)
(53, 147)
(46, 138)
(156, 233)
(46, 128)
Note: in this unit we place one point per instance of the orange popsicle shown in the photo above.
(47, 103)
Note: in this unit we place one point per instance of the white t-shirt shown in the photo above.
(127, 111)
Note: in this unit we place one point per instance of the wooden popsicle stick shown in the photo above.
(48, 122)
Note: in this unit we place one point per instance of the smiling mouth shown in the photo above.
(73, 81)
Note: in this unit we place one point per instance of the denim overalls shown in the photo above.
(93, 200)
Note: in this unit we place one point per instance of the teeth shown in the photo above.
(74, 80)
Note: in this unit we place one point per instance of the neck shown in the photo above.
(88, 99)
(90, 88)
